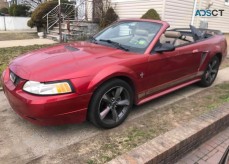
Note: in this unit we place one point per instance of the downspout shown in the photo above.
(194, 12)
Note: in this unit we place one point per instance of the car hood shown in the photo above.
(65, 61)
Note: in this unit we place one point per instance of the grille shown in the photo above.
(14, 78)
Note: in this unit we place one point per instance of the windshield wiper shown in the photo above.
(93, 40)
(116, 44)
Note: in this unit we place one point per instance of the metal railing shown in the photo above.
(68, 12)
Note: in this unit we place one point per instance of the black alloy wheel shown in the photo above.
(210, 73)
(111, 104)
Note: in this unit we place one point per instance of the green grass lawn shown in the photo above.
(7, 54)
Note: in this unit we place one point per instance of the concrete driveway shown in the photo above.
(20, 141)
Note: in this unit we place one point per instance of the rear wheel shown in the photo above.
(111, 104)
(210, 73)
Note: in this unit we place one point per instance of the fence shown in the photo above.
(8, 23)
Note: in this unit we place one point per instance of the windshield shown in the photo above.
(129, 36)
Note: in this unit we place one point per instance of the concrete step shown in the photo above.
(66, 36)
(79, 30)
(74, 24)
(73, 32)
(71, 28)
(80, 23)
(73, 21)
(54, 37)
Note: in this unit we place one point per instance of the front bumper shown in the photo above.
(46, 110)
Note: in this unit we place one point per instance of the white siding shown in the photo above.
(178, 13)
(218, 22)
(136, 8)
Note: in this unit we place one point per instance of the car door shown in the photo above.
(168, 69)
(191, 55)
(162, 68)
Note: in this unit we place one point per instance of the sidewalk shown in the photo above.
(27, 42)
(209, 152)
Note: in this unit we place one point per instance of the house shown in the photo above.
(179, 13)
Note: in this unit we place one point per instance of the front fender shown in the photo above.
(109, 73)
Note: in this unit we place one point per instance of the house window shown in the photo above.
(227, 2)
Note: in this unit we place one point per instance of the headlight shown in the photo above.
(47, 88)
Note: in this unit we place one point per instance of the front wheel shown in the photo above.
(210, 73)
(111, 104)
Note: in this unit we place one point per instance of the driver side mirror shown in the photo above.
(164, 48)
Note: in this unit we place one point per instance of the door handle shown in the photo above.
(195, 51)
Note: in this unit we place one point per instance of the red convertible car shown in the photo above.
(130, 62)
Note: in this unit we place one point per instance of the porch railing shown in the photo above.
(68, 12)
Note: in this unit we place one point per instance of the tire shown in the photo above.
(111, 104)
(210, 73)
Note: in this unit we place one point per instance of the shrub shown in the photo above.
(30, 23)
(151, 14)
(4, 10)
(38, 14)
(19, 10)
(109, 17)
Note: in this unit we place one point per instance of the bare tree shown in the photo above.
(100, 8)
